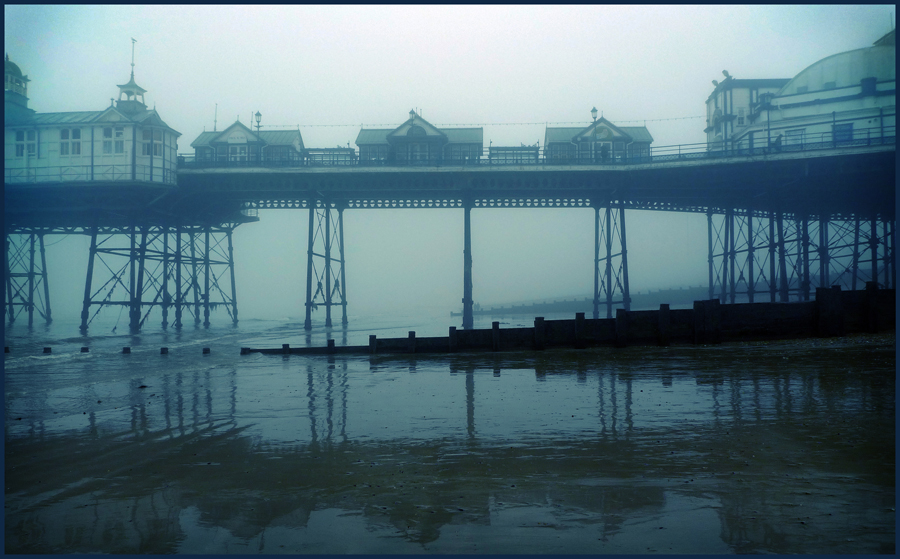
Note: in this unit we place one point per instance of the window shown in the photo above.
(70, 141)
(157, 143)
(64, 141)
(26, 143)
(740, 118)
(120, 139)
(843, 132)
(146, 143)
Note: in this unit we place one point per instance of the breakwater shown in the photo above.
(832, 313)
(648, 300)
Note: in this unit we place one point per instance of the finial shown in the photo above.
(133, 41)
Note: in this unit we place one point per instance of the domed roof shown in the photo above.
(844, 70)
(11, 68)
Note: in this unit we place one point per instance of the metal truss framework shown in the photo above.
(27, 289)
(185, 269)
(326, 233)
(783, 257)
(610, 282)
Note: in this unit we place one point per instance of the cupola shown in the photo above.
(130, 92)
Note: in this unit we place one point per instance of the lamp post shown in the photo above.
(594, 113)
(259, 148)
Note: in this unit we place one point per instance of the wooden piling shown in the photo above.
(452, 339)
(872, 307)
(412, 342)
(662, 332)
(495, 336)
(579, 331)
(539, 342)
(829, 312)
(621, 327)
(373, 344)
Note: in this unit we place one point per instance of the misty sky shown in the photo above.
(510, 69)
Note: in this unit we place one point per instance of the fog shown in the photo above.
(512, 69)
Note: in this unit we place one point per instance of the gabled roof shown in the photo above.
(416, 122)
(568, 134)
(268, 137)
(382, 136)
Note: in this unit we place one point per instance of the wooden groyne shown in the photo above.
(832, 313)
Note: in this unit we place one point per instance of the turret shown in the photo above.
(15, 93)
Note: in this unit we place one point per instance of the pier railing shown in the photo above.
(535, 156)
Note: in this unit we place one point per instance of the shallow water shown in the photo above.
(784, 447)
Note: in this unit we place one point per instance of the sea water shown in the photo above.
(778, 447)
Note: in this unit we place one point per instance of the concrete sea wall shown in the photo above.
(832, 313)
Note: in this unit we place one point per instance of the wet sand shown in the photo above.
(780, 447)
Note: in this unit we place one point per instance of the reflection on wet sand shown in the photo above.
(750, 449)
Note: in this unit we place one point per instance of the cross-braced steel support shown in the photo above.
(611, 270)
(788, 256)
(27, 289)
(326, 233)
(188, 268)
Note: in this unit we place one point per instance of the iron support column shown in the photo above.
(751, 282)
(231, 269)
(782, 260)
(873, 244)
(890, 244)
(729, 261)
(44, 275)
(30, 301)
(327, 264)
(468, 305)
(138, 291)
(804, 256)
(626, 296)
(132, 280)
(824, 260)
(8, 291)
(179, 299)
(709, 241)
(206, 279)
(596, 262)
(773, 290)
(86, 305)
(195, 283)
(609, 297)
(309, 265)
(166, 300)
(343, 265)
(854, 266)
